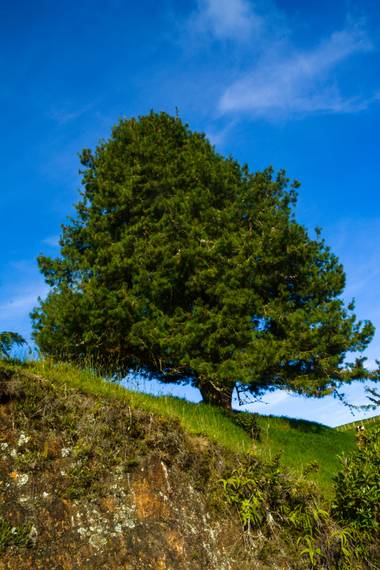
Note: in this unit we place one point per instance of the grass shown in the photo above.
(300, 443)
(197, 419)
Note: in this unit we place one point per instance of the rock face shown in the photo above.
(91, 483)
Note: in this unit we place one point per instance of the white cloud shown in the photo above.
(226, 19)
(289, 82)
(277, 397)
(258, 65)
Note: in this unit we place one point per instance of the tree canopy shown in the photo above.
(182, 263)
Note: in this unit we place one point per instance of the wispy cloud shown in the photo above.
(20, 305)
(277, 397)
(292, 82)
(52, 241)
(327, 410)
(19, 293)
(65, 114)
(225, 19)
(218, 135)
(15, 310)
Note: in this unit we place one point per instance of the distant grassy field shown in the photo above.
(369, 423)
(299, 442)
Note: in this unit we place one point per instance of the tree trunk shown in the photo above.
(220, 396)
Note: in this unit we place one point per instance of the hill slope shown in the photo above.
(299, 442)
(93, 476)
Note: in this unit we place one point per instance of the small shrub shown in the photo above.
(272, 503)
(261, 492)
(357, 485)
(247, 421)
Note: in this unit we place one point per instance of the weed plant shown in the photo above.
(14, 535)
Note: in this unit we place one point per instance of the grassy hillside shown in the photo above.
(96, 476)
(303, 443)
(299, 442)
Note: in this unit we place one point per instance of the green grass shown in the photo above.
(299, 442)
(197, 419)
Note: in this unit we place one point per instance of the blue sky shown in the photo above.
(288, 83)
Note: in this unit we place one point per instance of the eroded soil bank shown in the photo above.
(87, 482)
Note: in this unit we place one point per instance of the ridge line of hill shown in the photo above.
(352, 425)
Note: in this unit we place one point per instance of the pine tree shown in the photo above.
(183, 264)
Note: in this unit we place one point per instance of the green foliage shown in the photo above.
(270, 501)
(8, 341)
(310, 549)
(183, 264)
(263, 492)
(358, 485)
